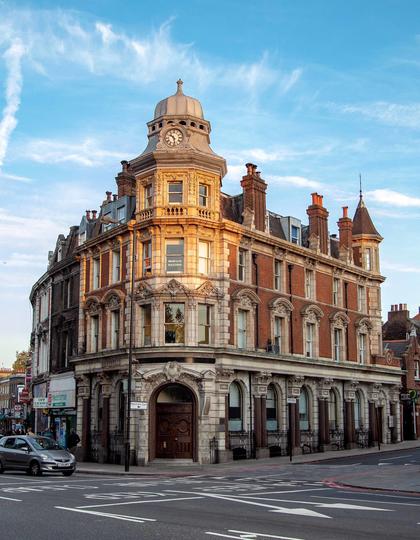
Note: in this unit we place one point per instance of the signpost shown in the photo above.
(139, 405)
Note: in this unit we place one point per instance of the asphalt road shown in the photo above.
(256, 504)
(400, 457)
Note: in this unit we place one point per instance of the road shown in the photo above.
(400, 457)
(283, 502)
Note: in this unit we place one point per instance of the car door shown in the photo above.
(21, 456)
(7, 451)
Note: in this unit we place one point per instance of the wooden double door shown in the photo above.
(174, 430)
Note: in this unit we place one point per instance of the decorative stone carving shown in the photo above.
(312, 313)
(172, 371)
(281, 307)
(279, 253)
(294, 385)
(224, 374)
(363, 325)
(248, 218)
(93, 307)
(374, 390)
(310, 263)
(208, 289)
(324, 387)
(174, 288)
(245, 298)
(314, 242)
(339, 319)
(142, 291)
(350, 390)
(113, 302)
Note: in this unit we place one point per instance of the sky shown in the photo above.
(314, 92)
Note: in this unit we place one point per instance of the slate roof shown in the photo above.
(362, 222)
(398, 347)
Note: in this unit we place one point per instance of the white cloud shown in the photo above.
(394, 114)
(13, 58)
(296, 181)
(87, 153)
(394, 198)
(397, 267)
(15, 177)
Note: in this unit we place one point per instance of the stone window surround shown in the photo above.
(363, 327)
(282, 308)
(114, 247)
(246, 300)
(310, 277)
(93, 308)
(339, 320)
(113, 302)
(311, 314)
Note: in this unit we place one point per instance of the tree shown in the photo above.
(22, 358)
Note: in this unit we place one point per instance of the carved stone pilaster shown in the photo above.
(373, 394)
(294, 385)
(350, 390)
(324, 388)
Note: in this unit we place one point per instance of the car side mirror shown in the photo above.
(25, 449)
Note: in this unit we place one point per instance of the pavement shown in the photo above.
(357, 468)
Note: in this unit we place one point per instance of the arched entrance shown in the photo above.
(175, 422)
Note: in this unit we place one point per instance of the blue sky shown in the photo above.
(314, 92)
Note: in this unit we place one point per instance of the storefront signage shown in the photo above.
(40, 403)
(291, 400)
(138, 406)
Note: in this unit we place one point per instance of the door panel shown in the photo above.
(174, 430)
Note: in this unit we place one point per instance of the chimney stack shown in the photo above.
(126, 181)
(115, 197)
(254, 193)
(398, 311)
(318, 221)
(345, 226)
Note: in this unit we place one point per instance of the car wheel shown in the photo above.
(35, 469)
(67, 473)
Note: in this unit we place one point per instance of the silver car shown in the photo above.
(35, 455)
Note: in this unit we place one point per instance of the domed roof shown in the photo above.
(179, 104)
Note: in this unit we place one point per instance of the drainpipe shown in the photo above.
(254, 261)
(251, 431)
(290, 268)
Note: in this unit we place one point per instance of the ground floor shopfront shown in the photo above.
(233, 407)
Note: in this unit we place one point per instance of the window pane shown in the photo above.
(175, 255)
(147, 256)
(242, 329)
(203, 257)
(174, 323)
(204, 324)
(303, 410)
(175, 192)
(235, 409)
(203, 195)
(147, 324)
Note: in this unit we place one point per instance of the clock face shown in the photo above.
(173, 137)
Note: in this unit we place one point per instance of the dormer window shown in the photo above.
(368, 259)
(175, 192)
(120, 214)
(295, 234)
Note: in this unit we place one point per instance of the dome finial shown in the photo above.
(179, 91)
(361, 202)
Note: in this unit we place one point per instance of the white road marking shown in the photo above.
(363, 500)
(140, 502)
(319, 505)
(275, 509)
(284, 491)
(250, 535)
(379, 464)
(399, 457)
(134, 519)
(10, 499)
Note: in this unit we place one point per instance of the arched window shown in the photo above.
(304, 410)
(357, 411)
(332, 410)
(271, 409)
(235, 407)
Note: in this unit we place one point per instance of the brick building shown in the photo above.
(249, 328)
(55, 304)
(401, 335)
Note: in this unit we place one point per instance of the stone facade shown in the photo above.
(250, 333)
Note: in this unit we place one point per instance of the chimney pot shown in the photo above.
(345, 211)
(124, 164)
(108, 195)
(88, 215)
(400, 307)
(115, 197)
(94, 212)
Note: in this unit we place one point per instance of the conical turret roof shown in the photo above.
(362, 222)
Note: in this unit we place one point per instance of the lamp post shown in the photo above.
(130, 354)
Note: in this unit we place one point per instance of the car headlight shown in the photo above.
(44, 457)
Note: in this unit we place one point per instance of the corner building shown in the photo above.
(251, 331)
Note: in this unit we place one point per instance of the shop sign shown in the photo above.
(40, 403)
(57, 400)
(138, 405)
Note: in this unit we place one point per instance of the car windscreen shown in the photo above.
(44, 443)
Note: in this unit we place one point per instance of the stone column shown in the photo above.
(321, 420)
(223, 380)
(373, 397)
(261, 381)
(294, 385)
(106, 395)
(324, 388)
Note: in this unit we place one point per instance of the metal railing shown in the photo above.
(242, 444)
(337, 439)
(362, 437)
(277, 442)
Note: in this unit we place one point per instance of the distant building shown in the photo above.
(55, 303)
(402, 341)
(251, 330)
(12, 411)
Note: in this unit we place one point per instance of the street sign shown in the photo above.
(40, 403)
(138, 405)
(291, 400)
(405, 397)
(413, 394)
